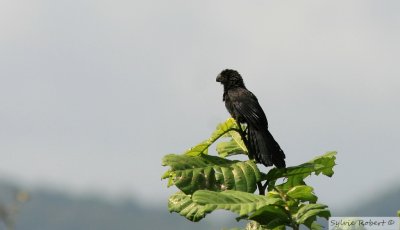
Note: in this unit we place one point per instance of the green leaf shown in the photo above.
(183, 204)
(229, 148)
(323, 164)
(302, 192)
(223, 128)
(234, 146)
(242, 203)
(308, 211)
(316, 226)
(271, 216)
(398, 213)
(190, 174)
(252, 225)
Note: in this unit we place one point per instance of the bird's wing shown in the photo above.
(246, 106)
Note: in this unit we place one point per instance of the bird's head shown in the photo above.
(230, 78)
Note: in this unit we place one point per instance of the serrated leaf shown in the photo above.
(311, 211)
(190, 174)
(229, 148)
(302, 192)
(201, 148)
(223, 128)
(291, 182)
(313, 214)
(183, 204)
(242, 203)
(271, 216)
(322, 164)
(234, 146)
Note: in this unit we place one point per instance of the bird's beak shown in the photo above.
(219, 78)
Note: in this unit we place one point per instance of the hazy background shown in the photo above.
(93, 93)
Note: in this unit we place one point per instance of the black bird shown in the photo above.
(244, 108)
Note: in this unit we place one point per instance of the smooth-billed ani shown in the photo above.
(244, 108)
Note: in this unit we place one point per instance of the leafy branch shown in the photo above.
(208, 183)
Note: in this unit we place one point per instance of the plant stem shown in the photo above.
(261, 188)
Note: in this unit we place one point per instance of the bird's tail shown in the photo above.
(264, 148)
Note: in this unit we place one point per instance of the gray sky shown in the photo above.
(94, 93)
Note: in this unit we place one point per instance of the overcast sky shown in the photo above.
(93, 93)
